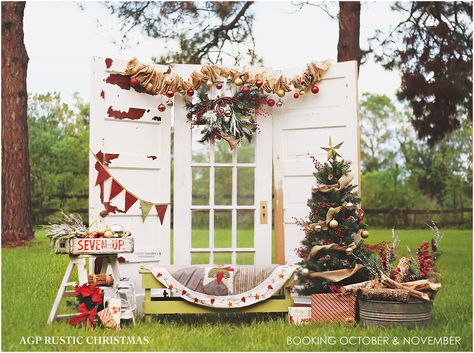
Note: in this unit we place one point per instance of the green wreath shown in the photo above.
(227, 118)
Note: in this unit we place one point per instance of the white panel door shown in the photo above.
(218, 194)
(300, 128)
(128, 123)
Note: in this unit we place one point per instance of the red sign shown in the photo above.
(100, 245)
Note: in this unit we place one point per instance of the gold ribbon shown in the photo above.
(337, 275)
(317, 248)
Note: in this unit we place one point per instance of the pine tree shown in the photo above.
(334, 229)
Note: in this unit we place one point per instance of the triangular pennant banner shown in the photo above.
(146, 207)
(161, 209)
(115, 189)
(102, 175)
(129, 201)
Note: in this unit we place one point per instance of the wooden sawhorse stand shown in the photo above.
(79, 261)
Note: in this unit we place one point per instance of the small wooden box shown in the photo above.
(333, 307)
(96, 246)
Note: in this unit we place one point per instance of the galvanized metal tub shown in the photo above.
(386, 313)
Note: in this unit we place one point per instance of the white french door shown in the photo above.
(222, 198)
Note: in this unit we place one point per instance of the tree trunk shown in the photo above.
(348, 47)
(16, 217)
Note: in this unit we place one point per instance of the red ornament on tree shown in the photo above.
(133, 82)
(169, 94)
(296, 95)
(271, 102)
(219, 85)
(315, 89)
(190, 92)
(245, 89)
(161, 107)
(259, 83)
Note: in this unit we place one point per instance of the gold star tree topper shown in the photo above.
(331, 150)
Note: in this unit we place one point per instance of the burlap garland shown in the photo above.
(341, 184)
(337, 275)
(157, 82)
(317, 248)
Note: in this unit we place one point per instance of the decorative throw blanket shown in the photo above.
(223, 286)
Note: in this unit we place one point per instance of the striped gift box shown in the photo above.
(333, 307)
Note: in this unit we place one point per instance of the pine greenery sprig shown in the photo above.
(226, 117)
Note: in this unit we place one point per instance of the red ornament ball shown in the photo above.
(259, 83)
(190, 92)
(219, 85)
(296, 95)
(271, 102)
(169, 94)
(245, 89)
(315, 89)
(161, 107)
(133, 82)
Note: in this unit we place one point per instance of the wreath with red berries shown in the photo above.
(227, 118)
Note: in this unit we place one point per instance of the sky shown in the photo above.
(61, 38)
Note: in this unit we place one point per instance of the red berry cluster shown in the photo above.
(301, 252)
(395, 273)
(340, 233)
(334, 289)
(425, 259)
(317, 164)
(325, 204)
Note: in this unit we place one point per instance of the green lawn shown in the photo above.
(30, 277)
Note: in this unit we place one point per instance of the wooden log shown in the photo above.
(393, 284)
(386, 294)
(404, 267)
(353, 287)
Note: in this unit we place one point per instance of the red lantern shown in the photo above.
(271, 102)
(259, 83)
(245, 89)
(133, 82)
(296, 95)
(169, 94)
(219, 85)
(315, 89)
(161, 107)
(190, 92)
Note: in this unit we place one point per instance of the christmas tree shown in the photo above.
(333, 230)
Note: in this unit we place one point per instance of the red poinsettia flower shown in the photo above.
(97, 298)
(83, 291)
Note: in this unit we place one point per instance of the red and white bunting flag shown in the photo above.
(102, 174)
(115, 189)
(129, 201)
(161, 209)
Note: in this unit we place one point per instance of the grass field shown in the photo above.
(30, 277)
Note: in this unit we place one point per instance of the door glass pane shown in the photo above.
(223, 186)
(200, 229)
(246, 151)
(245, 186)
(245, 228)
(198, 258)
(200, 151)
(200, 185)
(222, 258)
(222, 152)
(222, 229)
(245, 258)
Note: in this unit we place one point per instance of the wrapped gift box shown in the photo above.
(299, 315)
(333, 307)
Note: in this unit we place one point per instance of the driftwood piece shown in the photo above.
(385, 294)
(388, 282)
